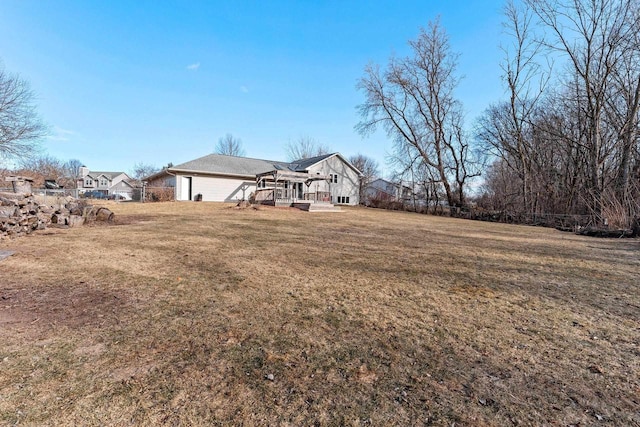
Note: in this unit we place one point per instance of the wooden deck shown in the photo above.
(310, 202)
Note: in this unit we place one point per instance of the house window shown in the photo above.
(333, 178)
(88, 182)
(103, 182)
(343, 200)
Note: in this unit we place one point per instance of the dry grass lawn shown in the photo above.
(200, 313)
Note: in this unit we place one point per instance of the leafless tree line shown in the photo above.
(567, 140)
(45, 167)
(413, 100)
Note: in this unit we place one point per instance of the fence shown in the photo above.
(566, 222)
(560, 221)
(54, 197)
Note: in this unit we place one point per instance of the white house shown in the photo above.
(329, 178)
(106, 183)
(386, 191)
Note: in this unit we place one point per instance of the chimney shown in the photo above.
(84, 171)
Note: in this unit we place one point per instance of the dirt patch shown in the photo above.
(73, 306)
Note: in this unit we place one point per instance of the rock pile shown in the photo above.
(21, 214)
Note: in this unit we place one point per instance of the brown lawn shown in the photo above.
(199, 313)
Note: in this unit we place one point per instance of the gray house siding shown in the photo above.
(345, 190)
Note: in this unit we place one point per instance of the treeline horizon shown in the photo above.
(564, 141)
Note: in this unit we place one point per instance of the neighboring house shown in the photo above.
(106, 183)
(386, 191)
(329, 178)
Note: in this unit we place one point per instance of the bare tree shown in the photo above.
(72, 171)
(142, 170)
(504, 127)
(369, 169)
(413, 99)
(305, 147)
(573, 149)
(595, 36)
(623, 113)
(41, 168)
(230, 146)
(20, 126)
(425, 182)
(72, 168)
(501, 188)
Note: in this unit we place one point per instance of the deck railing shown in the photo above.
(318, 196)
(284, 195)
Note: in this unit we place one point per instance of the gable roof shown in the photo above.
(244, 166)
(304, 164)
(229, 165)
(394, 184)
(109, 175)
(127, 182)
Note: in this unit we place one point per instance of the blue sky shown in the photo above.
(121, 82)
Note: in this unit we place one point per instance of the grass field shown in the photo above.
(200, 313)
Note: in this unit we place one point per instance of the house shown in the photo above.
(382, 190)
(107, 183)
(329, 178)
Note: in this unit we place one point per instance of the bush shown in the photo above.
(159, 194)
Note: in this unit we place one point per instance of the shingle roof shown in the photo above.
(109, 175)
(303, 164)
(241, 166)
(230, 165)
(394, 184)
